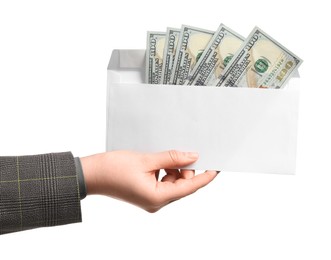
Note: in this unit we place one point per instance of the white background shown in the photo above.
(53, 60)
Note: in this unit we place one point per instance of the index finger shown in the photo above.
(183, 187)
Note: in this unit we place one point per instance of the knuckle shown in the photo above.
(154, 203)
(175, 156)
(152, 210)
(157, 202)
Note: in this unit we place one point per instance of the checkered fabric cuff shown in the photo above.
(38, 191)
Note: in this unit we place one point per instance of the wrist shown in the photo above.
(80, 176)
(89, 166)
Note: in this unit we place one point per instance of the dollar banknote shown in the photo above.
(260, 62)
(218, 53)
(154, 57)
(191, 44)
(169, 53)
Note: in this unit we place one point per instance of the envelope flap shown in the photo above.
(126, 59)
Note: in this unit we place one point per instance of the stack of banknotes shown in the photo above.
(194, 56)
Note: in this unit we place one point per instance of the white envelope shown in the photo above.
(232, 129)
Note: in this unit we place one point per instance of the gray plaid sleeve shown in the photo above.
(38, 191)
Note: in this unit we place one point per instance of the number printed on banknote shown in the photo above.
(169, 53)
(192, 42)
(218, 53)
(154, 57)
(260, 62)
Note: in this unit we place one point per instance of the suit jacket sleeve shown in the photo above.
(38, 191)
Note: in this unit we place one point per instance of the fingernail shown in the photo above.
(218, 172)
(192, 155)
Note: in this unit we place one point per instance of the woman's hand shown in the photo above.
(133, 177)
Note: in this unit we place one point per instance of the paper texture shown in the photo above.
(233, 129)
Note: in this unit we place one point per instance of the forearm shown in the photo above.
(38, 191)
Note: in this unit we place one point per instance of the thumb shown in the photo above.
(172, 159)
